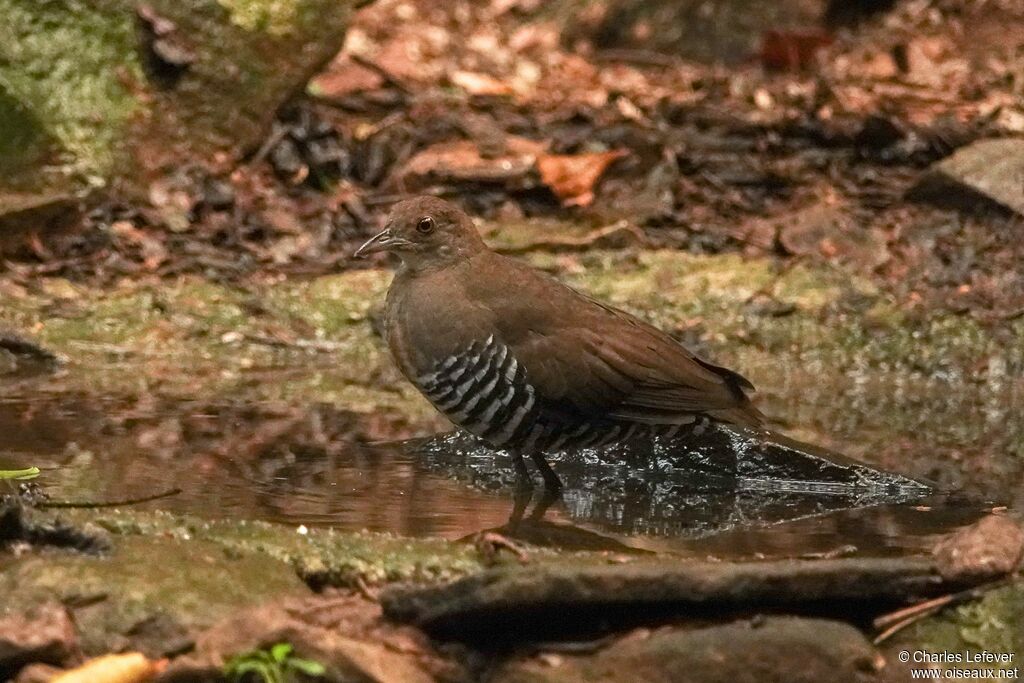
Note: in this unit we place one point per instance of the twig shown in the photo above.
(276, 135)
(641, 57)
(388, 77)
(320, 346)
(1012, 314)
(768, 289)
(632, 235)
(108, 504)
(895, 622)
(364, 590)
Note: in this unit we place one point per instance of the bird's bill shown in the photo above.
(382, 241)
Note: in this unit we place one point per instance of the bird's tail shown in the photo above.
(744, 415)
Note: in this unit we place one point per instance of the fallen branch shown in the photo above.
(107, 504)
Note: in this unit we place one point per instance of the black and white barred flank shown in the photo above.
(485, 391)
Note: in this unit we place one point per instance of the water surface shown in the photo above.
(320, 465)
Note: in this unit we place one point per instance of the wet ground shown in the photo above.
(321, 465)
(212, 340)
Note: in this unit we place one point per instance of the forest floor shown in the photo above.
(787, 213)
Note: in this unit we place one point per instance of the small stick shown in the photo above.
(277, 134)
(641, 57)
(901, 618)
(108, 504)
(364, 590)
(388, 77)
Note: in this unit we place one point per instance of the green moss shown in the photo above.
(68, 64)
(318, 335)
(334, 304)
(994, 623)
(319, 556)
(25, 140)
(836, 318)
(277, 17)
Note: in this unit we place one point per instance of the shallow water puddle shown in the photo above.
(315, 466)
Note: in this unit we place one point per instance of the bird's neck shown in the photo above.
(418, 265)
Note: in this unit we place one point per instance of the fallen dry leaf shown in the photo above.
(479, 84)
(572, 176)
(133, 667)
(152, 250)
(462, 160)
(345, 77)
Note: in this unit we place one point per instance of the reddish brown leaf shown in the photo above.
(572, 176)
(345, 77)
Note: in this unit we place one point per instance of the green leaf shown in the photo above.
(281, 651)
(258, 662)
(307, 666)
(27, 473)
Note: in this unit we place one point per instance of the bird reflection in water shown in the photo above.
(534, 529)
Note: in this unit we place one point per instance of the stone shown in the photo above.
(146, 593)
(562, 599)
(988, 549)
(726, 31)
(43, 633)
(24, 215)
(749, 651)
(829, 231)
(20, 523)
(983, 173)
(101, 91)
(22, 356)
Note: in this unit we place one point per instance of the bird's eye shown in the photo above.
(425, 226)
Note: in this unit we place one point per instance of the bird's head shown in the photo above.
(426, 231)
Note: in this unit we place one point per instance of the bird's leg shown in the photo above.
(520, 501)
(547, 499)
(551, 480)
(523, 480)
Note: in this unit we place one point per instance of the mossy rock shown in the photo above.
(85, 100)
(727, 31)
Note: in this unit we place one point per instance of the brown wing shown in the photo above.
(593, 359)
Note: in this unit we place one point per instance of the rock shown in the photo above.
(825, 230)
(988, 549)
(146, 588)
(43, 634)
(985, 172)
(728, 31)
(25, 216)
(340, 633)
(752, 651)
(19, 355)
(557, 600)
(20, 523)
(132, 88)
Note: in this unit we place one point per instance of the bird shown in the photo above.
(526, 363)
